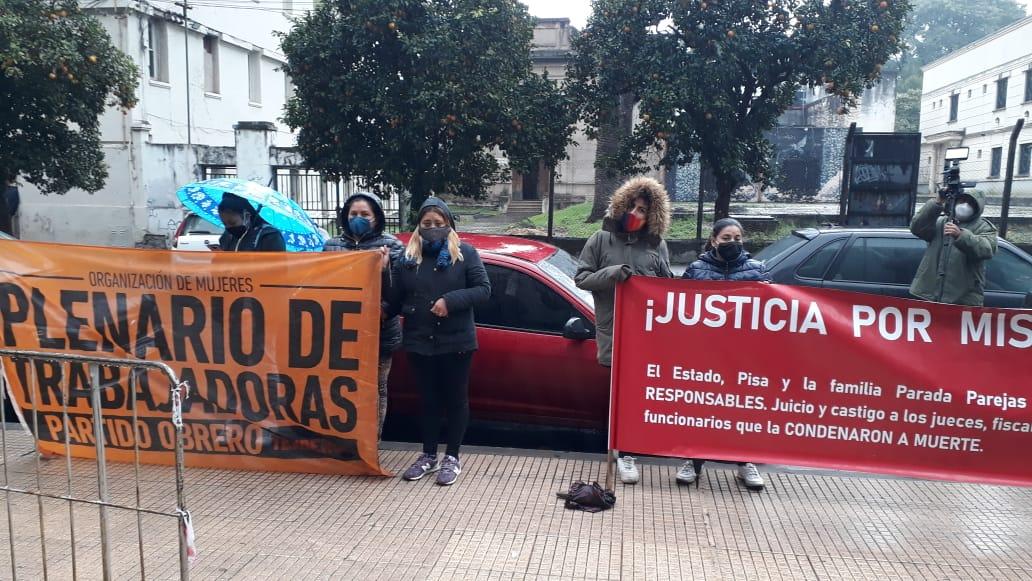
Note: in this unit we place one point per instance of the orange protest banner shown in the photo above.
(279, 351)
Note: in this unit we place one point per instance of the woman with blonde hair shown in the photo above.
(436, 284)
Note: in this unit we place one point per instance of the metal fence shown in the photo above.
(212, 172)
(321, 197)
(101, 438)
(316, 194)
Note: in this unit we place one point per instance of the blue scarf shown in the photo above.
(440, 247)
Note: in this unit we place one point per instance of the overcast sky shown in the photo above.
(578, 10)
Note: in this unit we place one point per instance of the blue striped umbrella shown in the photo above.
(299, 231)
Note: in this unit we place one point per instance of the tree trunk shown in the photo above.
(617, 126)
(725, 187)
(418, 193)
(6, 220)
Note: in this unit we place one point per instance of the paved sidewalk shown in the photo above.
(503, 521)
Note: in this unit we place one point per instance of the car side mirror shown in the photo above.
(578, 329)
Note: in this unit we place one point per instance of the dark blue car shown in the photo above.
(883, 261)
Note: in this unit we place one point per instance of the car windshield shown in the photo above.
(780, 249)
(562, 267)
(197, 225)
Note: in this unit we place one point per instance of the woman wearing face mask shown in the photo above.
(630, 242)
(436, 284)
(726, 259)
(245, 229)
(361, 223)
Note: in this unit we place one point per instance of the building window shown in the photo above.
(1028, 86)
(954, 106)
(1001, 93)
(254, 76)
(994, 163)
(211, 64)
(979, 155)
(985, 89)
(1025, 159)
(969, 93)
(157, 50)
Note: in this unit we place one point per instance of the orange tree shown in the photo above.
(58, 71)
(418, 94)
(711, 77)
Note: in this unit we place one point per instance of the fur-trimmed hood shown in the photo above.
(658, 220)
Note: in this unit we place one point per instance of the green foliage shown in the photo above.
(574, 222)
(939, 27)
(711, 77)
(415, 94)
(58, 72)
(908, 110)
(547, 111)
(936, 28)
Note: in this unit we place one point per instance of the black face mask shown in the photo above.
(730, 251)
(237, 231)
(434, 234)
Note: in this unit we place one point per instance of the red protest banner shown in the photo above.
(811, 377)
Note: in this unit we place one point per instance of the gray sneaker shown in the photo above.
(450, 470)
(687, 475)
(424, 465)
(750, 476)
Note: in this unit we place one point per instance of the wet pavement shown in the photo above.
(502, 520)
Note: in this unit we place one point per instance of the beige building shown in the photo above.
(575, 176)
(973, 97)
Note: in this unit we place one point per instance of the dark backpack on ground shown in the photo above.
(588, 497)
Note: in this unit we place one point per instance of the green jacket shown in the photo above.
(963, 282)
(609, 257)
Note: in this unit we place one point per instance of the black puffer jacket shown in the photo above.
(260, 237)
(416, 288)
(390, 327)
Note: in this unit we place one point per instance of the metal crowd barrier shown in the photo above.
(102, 502)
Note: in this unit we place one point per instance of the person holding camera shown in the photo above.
(953, 267)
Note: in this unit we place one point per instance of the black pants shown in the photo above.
(443, 386)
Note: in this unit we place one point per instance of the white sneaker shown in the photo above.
(627, 470)
(687, 475)
(750, 476)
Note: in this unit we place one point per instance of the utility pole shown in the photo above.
(186, 54)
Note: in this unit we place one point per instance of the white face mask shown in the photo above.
(964, 211)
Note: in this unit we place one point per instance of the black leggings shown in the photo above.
(443, 383)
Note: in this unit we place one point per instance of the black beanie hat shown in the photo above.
(435, 203)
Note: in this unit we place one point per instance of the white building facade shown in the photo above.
(973, 98)
(234, 76)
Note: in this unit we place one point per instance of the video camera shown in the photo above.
(952, 186)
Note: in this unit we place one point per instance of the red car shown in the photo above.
(537, 361)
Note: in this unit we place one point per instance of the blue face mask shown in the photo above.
(359, 225)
